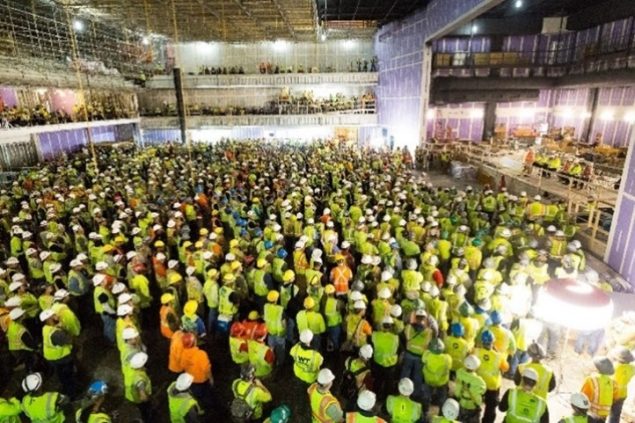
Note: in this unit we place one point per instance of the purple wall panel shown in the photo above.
(54, 144)
(620, 256)
(9, 96)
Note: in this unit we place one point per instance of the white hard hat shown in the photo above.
(173, 263)
(386, 276)
(536, 197)
(395, 311)
(530, 374)
(406, 387)
(46, 314)
(55, 267)
(366, 352)
(366, 400)
(60, 294)
(16, 313)
(14, 286)
(32, 382)
(131, 254)
(387, 320)
(98, 279)
(75, 263)
(129, 333)
(14, 301)
(356, 296)
(184, 381)
(44, 255)
(325, 377)
(471, 362)
(384, 293)
(138, 360)
(450, 409)
(101, 265)
(17, 277)
(124, 310)
(359, 305)
(306, 336)
(579, 400)
(118, 288)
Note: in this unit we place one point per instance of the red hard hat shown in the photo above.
(189, 340)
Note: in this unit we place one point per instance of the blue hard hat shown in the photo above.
(487, 337)
(97, 387)
(457, 330)
(282, 253)
(268, 245)
(495, 317)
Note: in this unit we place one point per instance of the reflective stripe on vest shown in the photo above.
(320, 403)
(524, 407)
(273, 318)
(53, 352)
(179, 405)
(602, 395)
(43, 408)
(14, 335)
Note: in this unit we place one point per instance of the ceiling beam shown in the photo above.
(285, 19)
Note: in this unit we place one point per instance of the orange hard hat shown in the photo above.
(189, 340)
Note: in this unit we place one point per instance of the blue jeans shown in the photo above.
(589, 341)
(411, 367)
(616, 411)
(291, 331)
(518, 358)
(109, 327)
(212, 316)
(279, 346)
(335, 334)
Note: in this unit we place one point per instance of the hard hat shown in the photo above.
(261, 262)
(325, 376)
(356, 296)
(580, 401)
(366, 352)
(496, 317)
(184, 381)
(280, 414)
(14, 301)
(366, 400)
(395, 311)
(530, 374)
(420, 312)
(55, 267)
(14, 286)
(406, 387)
(272, 296)
(536, 197)
(457, 330)
(359, 305)
(124, 298)
(46, 314)
(172, 264)
(97, 387)
(288, 276)
(247, 371)
(282, 253)
(138, 360)
(118, 288)
(44, 255)
(387, 320)
(188, 340)
(604, 365)
(18, 277)
(159, 244)
(16, 313)
(536, 351)
(329, 289)
(190, 307)
(436, 346)
(309, 303)
(32, 382)
(551, 228)
(124, 310)
(129, 333)
(487, 337)
(384, 293)
(306, 336)
(166, 298)
(623, 354)
(253, 315)
(450, 409)
(472, 362)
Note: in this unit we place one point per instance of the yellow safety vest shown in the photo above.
(489, 369)
(99, 307)
(180, 404)
(416, 341)
(226, 307)
(333, 317)
(273, 318)
(602, 398)
(544, 377)
(386, 345)
(14, 335)
(403, 409)
(256, 352)
(53, 352)
(307, 363)
(624, 372)
(131, 378)
(468, 386)
(524, 407)
(238, 356)
(320, 403)
(457, 348)
(436, 368)
(42, 408)
(10, 410)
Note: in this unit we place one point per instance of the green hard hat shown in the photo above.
(280, 414)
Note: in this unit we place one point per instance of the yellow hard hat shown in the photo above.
(199, 244)
(187, 244)
(229, 277)
(218, 230)
(119, 240)
(329, 289)
(159, 244)
(175, 278)
(339, 257)
(235, 265)
(309, 303)
(212, 273)
(253, 315)
(288, 276)
(273, 296)
(233, 243)
(203, 231)
(190, 307)
(261, 262)
(108, 248)
(166, 298)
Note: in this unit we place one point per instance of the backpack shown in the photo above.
(240, 411)
(348, 387)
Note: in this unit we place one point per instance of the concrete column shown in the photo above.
(180, 104)
(426, 79)
(621, 244)
(489, 120)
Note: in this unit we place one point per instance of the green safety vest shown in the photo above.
(576, 419)
(53, 352)
(469, 385)
(403, 409)
(68, 319)
(524, 407)
(360, 418)
(307, 363)
(42, 408)
(226, 307)
(416, 341)
(93, 417)
(10, 410)
(489, 204)
(386, 345)
(131, 378)
(257, 277)
(310, 320)
(180, 404)
(14, 335)
(256, 351)
(333, 317)
(273, 318)
(238, 356)
(436, 368)
(441, 419)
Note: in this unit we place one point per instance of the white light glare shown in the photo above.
(280, 45)
(431, 114)
(518, 4)
(323, 36)
(477, 114)
(474, 29)
(78, 25)
(608, 115)
(145, 41)
(629, 117)
(567, 113)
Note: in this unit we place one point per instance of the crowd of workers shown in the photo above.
(387, 297)
(569, 169)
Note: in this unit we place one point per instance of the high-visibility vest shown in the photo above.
(68, 319)
(601, 395)
(403, 409)
(53, 352)
(257, 277)
(524, 407)
(489, 204)
(311, 320)
(381, 309)
(93, 417)
(360, 418)
(176, 350)
(226, 307)
(558, 247)
(238, 353)
(576, 419)
(273, 318)
(624, 372)
(340, 276)
(320, 403)
(354, 330)
(42, 408)
(489, 369)
(307, 363)
(77, 283)
(99, 307)
(257, 352)
(10, 410)
(131, 378)
(165, 311)
(469, 386)
(14, 336)
(457, 348)
(253, 395)
(436, 368)
(411, 280)
(333, 316)
(35, 268)
(180, 404)
(535, 210)
(386, 345)
(417, 341)
(441, 419)
(544, 377)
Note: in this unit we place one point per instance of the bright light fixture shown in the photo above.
(608, 115)
(280, 45)
(474, 29)
(323, 36)
(78, 25)
(349, 44)
(431, 114)
(629, 117)
(518, 4)
(586, 115)
(477, 114)
(145, 41)
(567, 113)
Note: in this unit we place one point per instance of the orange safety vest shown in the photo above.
(163, 315)
(196, 362)
(176, 351)
(599, 389)
(320, 403)
(340, 276)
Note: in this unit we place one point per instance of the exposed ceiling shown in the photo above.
(381, 11)
(223, 20)
(539, 8)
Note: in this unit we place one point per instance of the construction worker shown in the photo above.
(68, 319)
(436, 371)
(521, 404)
(624, 372)
(58, 348)
(599, 388)
(311, 320)
(357, 327)
(132, 344)
(238, 343)
(333, 318)
(104, 303)
(400, 407)
(183, 406)
(41, 406)
(580, 405)
(325, 408)
(168, 319)
(417, 336)
(196, 363)
(22, 345)
(546, 381)
(276, 326)
(137, 385)
(211, 293)
(365, 403)
(493, 364)
(251, 391)
(280, 414)
(386, 354)
(340, 276)
(91, 411)
(307, 361)
(456, 345)
(10, 410)
(450, 412)
(469, 390)
(259, 353)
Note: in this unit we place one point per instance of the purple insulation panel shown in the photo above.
(620, 256)
(55, 144)
(161, 136)
(8, 96)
